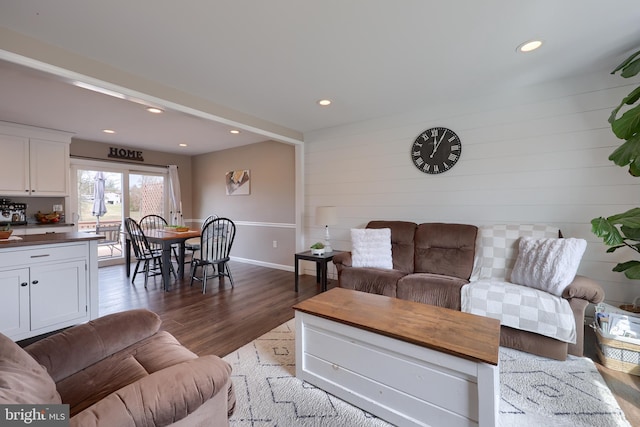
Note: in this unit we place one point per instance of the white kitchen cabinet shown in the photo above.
(58, 293)
(35, 161)
(14, 304)
(44, 288)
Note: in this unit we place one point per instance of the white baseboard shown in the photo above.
(264, 264)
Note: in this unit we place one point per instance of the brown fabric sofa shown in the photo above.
(119, 370)
(433, 261)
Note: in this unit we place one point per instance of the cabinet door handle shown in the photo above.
(35, 282)
(40, 256)
(24, 284)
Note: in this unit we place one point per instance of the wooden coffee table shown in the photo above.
(405, 362)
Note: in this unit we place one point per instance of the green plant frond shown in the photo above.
(625, 62)
(630, 99)
(627, 152)
(623, 266)
(634, 167)
(633, 96)
(631, 69)
(607, 231)
(613, 248)
(630, 218)
(631, 233)
(627, 125)
(631, 269)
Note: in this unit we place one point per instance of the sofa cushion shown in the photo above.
(372, 280)
(548, 264)
(446, 249)
(131, 364)
(402, 242)
(497, 250)
(22, 379)
(433, 289)
(100, 339)
(371, 248)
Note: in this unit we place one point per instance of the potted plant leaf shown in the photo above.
(317, 248)
(623, 230)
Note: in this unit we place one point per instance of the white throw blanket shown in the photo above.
(520, 307)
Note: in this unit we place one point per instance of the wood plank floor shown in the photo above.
(224, 319)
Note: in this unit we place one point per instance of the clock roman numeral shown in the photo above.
(419, 161)
(434, 132)
(453, 138)
(436, 169)
(453, 157)
(417, 144)
(455, 147)
(425, 136)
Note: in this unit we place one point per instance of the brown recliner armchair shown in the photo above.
(119, 370)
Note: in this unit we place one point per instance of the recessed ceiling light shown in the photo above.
(154, 110)
(182, 144)
(529, 46)
(108, 131)
(234, 131)
(324, 102)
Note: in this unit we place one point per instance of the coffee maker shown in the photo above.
(12, 213)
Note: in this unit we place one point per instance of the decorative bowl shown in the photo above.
(5, 234)
(176, 228)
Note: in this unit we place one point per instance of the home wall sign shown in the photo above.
(121, 153)
(436, 150)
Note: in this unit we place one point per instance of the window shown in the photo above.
(127, 193)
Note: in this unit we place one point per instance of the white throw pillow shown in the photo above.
(497, 248)
(547, 264)
(371, 247)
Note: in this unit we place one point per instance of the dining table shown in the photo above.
(165, 239)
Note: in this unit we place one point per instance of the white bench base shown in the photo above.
(402, 383)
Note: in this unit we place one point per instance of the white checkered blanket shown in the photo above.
(520, 307)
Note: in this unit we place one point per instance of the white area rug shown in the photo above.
(535, 391)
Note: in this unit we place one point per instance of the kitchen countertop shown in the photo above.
(36, 225)
(49, 238)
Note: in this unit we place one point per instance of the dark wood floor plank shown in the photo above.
(224, 319)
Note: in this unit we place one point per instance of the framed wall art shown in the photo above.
(238, 182)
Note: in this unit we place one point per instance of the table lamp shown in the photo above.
(326, 215)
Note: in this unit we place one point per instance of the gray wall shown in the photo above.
(267, 214)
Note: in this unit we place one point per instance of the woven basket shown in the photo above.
(618, 355)
(630, 307)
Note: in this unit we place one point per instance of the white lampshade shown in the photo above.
(326, 215)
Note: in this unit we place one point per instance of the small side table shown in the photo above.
(321, 266)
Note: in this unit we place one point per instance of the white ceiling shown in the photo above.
(268, 62)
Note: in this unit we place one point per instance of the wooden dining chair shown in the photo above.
(193, 244)
(156, 222)
(150, 257)
(216, 240)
